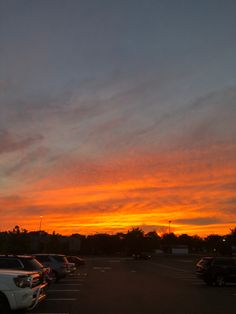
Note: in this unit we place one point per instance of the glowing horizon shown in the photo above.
(193, 203)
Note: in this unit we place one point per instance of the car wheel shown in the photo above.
(4, 306)
(220, 281)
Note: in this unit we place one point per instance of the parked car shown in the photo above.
(20, 290)
(217, 270)
(24, 262)
(78, 261)
(58, 264)
(72, 267)
(141, 255)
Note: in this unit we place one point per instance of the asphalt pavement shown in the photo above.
(125, 286)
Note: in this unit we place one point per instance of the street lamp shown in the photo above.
(40, 223)
(169, 225)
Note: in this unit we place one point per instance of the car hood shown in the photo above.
(16, 272)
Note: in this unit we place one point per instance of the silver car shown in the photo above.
(58, 264)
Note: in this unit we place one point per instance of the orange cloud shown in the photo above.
(196, 194)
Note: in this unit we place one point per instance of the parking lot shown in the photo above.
(122, 285)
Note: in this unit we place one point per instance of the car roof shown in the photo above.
(16, 256)
(46, 254)
(224, 258)
(218, 258)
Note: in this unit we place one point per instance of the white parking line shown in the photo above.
(61, 299)
(65, 290)
(73, 276)
(188, 278)
(71, 280)
(72, 284)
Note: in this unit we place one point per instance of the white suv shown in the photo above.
(20, 290)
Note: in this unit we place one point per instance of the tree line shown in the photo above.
(21, 241)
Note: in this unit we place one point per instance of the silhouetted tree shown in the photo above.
(168, 241)
(18, 241)
(232, 236)
(134, 241)
(152, 241)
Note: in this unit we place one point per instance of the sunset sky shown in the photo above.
(118, 114)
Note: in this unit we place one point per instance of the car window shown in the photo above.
(9, 263)
(31, 264)
(60, 258)
(43, 258)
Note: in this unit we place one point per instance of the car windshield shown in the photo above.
(60, 258)
(31, 264)
(42, 258)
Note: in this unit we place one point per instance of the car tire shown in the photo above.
(4, 306)
(219, 281)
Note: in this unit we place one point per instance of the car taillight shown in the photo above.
(23, 281)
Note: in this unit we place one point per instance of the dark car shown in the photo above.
(78, 261)
(217, 270)
(23, 262)
(141, 255)
(58, 264)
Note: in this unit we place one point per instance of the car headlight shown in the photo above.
(23, 281)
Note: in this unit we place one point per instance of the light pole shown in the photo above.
(40, 223)
(169, 225)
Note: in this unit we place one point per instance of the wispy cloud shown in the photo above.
(199, 221)
(11, 142)
(27, 161)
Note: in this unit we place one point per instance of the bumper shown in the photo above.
(26, 298)
(38, 295)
